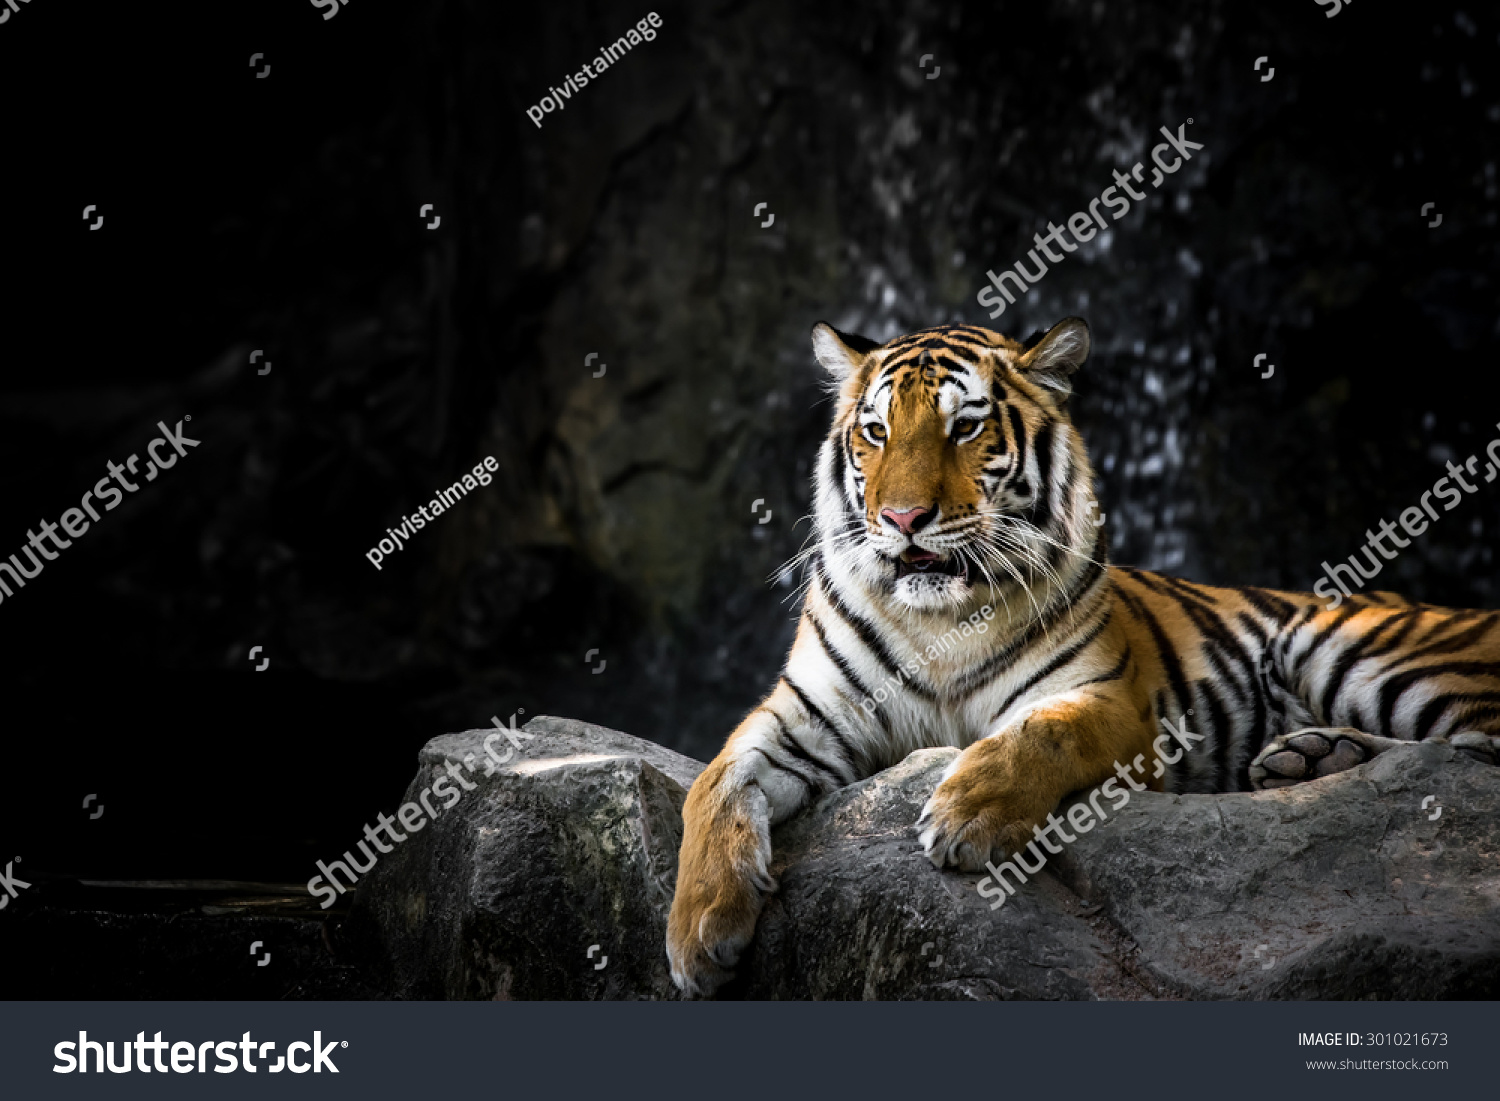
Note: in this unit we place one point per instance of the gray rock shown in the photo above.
(1481, 747)
(1351, 886)
(862, 913)
(571, 844)
(1341, 888)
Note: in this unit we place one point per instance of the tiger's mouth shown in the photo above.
(917, 561)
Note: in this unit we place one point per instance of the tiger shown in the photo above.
(959, 593)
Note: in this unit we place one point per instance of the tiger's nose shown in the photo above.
(909, 522)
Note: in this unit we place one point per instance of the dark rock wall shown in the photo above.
(621, 517)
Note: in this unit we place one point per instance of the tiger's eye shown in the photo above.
(876, 430)
(963, 428)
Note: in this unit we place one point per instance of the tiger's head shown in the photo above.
(952, 474)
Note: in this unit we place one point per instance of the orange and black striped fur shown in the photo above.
(959, 595)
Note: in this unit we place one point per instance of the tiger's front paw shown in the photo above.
(712, 921)
(971, 819)
(723, 877)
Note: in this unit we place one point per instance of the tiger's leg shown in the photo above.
(1004, 785)
(1414, 671)
(1315, 752)
(782, 756)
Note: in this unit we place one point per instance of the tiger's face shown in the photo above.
(942, 463)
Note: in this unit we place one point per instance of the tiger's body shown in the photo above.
(960, 595)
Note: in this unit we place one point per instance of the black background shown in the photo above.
(282, 214)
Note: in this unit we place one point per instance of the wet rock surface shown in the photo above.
(1346, 887)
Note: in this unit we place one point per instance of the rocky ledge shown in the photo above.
(551, 877)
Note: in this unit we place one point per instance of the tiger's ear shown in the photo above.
(1054, 358)
(841, 354)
